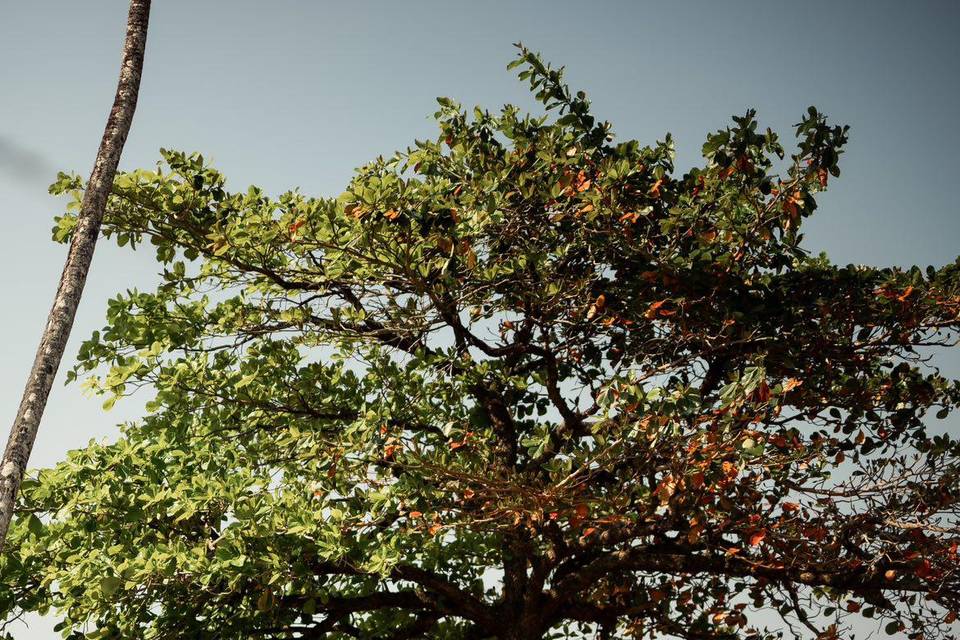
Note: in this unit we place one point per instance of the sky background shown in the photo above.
(289, 94)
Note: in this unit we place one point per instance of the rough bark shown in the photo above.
(74, 276)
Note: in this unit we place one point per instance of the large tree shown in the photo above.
(517, 382)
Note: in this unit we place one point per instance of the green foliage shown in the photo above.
(519, 381)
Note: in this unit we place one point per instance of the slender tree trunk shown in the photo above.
(60, 321)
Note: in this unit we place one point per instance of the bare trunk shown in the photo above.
(60, 321)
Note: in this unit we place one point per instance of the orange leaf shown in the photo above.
(791, 384)
(656, 309)
(655, 189)
(354, 210)
(666, 489)
(462, 443)
(730, 470)
(697, 480)
(391, 215)
(696, 530)
(596, 307)
(758, 537)
(416, 514)
(792, 204)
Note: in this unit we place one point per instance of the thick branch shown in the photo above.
(447, 597)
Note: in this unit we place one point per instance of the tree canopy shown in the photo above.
(520, 381)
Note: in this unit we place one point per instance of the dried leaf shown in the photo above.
(596, 307)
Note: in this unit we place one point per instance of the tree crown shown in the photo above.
(519, 381)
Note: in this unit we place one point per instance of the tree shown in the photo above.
(53, 342)
(517, 382)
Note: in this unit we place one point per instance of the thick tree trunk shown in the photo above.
(60, 321)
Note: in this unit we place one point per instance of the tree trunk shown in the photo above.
(60, 321)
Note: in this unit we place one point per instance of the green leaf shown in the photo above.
(245, 380)
(109, 585)
(34, 524)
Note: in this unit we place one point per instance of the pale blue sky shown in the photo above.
(283, 94)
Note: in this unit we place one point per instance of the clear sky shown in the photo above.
(285, 93)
